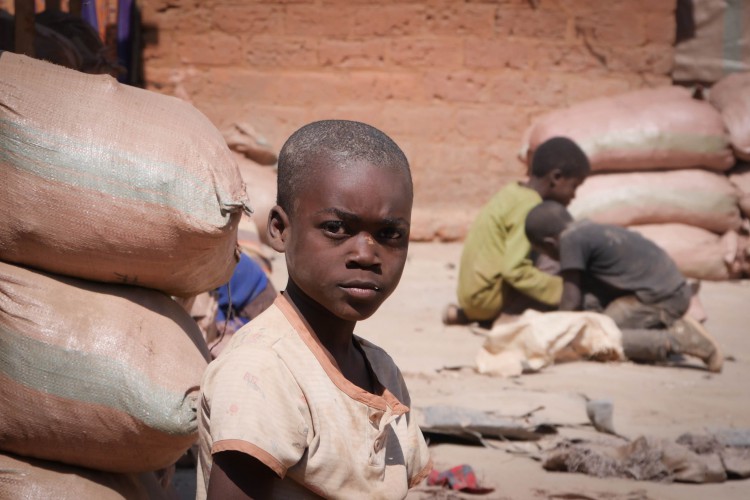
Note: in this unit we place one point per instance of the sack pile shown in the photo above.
(660, 160)
(113, 199)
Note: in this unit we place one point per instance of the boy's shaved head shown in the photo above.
(339, 142)
(546, 220)
(560, 153)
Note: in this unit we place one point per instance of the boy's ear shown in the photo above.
(551, 242)
(555, 175)
(278, 226)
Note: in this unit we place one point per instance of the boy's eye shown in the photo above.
(333, 227)
(391, 233)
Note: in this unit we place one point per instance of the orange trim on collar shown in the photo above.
(329, 365)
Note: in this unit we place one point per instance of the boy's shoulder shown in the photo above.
(266, 330)
(386, 369)
(376, 354)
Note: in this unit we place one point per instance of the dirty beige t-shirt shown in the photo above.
(277, 394)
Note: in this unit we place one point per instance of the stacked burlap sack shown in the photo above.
(659, 163)
(112, 200)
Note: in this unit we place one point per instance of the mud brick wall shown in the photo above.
(454, 82)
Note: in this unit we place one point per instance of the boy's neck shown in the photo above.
(334, 333)
(537, 184)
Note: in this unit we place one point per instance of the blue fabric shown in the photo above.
(246, 283)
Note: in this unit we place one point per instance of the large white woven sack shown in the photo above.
(96, 375)
(695, 197)
(26, 478)
(698, 253)
(113, 183)
(662, 128)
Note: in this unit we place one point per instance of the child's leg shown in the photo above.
(652, 332)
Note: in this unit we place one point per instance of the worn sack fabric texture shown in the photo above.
(663, 128)
(719, 42)
(699, 253)
(643, 459)
(693, 196)
(27, 478)
(96, 375)
(731, 96)
(108, 182)
(536, 339)
(739, 176)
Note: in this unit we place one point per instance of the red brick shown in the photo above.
(583, 88)
(488, 123)
(192, 21)
(660, 28)
(281, 52)
(359, 111)
(428, 122)
(385, 85)
(655, 59)
(453, 18)
(250, 19)
(535, 23)
(303, 88)
(210, 49)
(431, 52)
(319, 20)
(493, 53)
(456, 86)
(368, 53)
(515, 87)
(389, 20)
(161, 49)
(574, 58)
(612, 28)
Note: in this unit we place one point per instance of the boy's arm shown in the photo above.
(235, 475)
(520, 273)
(571, 294)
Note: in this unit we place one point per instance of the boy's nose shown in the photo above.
(365, 250)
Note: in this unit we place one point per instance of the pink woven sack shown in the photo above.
(698, 253)
(740, 177)
(96, 375)
(695, 197)
(25, 478)
(731, 96)
(113, 183)
(663, 128)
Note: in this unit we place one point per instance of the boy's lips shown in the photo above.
(360, 289)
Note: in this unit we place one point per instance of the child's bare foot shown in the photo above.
(454, 315)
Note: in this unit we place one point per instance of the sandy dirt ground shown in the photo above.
(658, 401)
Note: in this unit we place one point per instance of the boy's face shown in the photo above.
(563, 189)
(348, 235)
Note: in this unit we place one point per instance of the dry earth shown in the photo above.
(662, 401)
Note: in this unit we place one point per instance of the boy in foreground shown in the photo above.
(297, 406)
(618, 272)
(496, 273)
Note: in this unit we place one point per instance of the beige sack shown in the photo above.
(731, 96)
(698, 253)
(663, 128)
(535, 340)
(112, 183)
(696, 197)
(26, 478)
(96, 375)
